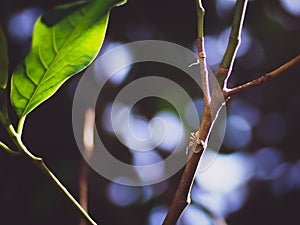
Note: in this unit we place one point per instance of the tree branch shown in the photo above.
(182, 195)
(224, 70)
(262, 79)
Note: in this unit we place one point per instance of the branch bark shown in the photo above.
(182, 195)
(262, 79)
(224, 70)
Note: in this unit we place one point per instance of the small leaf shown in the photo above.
(3, 60)
(58, 52)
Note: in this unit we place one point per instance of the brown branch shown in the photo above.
(264, 78)
(182, 195)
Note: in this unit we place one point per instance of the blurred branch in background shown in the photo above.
(88, 141)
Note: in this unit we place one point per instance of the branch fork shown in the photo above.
(182, 195)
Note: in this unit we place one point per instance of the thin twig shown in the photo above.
(224, 70)
(88, 142)
(262, 79)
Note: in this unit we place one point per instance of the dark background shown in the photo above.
(25, 194)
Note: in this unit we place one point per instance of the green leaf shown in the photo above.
(3, 60)
(58, 52)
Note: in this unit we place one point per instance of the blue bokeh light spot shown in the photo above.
(157, 215)
(267, 160)
(122, 195)
(291, 6)
(238, 132)
(246, 110)
(20, 25)
(282, 181)
(108, 69)
(193, 215)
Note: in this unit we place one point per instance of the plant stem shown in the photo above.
(200, 18)
(21, 125)
(16, 137)
(182, 195)
(224, 70)
(7, 149)
(262, 79)
(69, 196)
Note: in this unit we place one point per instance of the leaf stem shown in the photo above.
(21, 125)
(224, 70)
(16, 137)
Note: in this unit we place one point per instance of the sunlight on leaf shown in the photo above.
(58, 52)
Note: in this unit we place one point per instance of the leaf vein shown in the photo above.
(71, 23)
(30, 78)
(17, 88)
(41, 58)
(53, 60)
(82, 12)
(54, 41)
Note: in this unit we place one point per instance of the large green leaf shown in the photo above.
(59, 50)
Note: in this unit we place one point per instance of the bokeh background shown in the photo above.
(255, 178)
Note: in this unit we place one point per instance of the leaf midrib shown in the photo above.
(53, 60)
